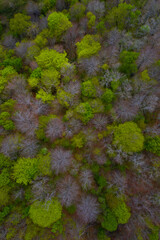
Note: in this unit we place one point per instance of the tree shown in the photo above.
(84, 112)
(68, 191)
(97, 8)
(19, 24)
(50, 58)
(77, 11)
(58, 23)
(88, 46)
(152, 144)
(128, 137)
(44, 214)
(60, 160)
(88, 89)
(128, 65)
(54, 129)
(88, 209)
(25, 170)
(123, 16)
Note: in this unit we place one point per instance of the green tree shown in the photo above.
(123, 16)
(109, 221)
(88, 89)
(84, 112)
(44, 214)
(128, 137)
(58, 23)
(19, 24)
(88, 46)
(25, 170)
(152, 144)
(50, 58)
(128, 65)
(107, 96)
(77, 11)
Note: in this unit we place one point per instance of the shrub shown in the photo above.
(84, 112)
(88, 89)
(44, 214)
(25, 170)
(58, 23)
(91, 19)
(88, 46)
(128, 137)
(128, 65)
(152, 144)
(88, 209)
(68, 191)
(60, 160)
(50, 58)
(19, 24)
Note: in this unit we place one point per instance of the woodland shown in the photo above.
(79, 120)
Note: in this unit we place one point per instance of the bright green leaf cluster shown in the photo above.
(88, 46)
(58, 23)
(88, 89)
(44, 214)
(50, 58)
(128, 137)
(25, 170)
(84, 111)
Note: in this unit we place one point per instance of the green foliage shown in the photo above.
(152, 144)
(108, 96)
(64, 98)
(121, 212)
(78, 141)
(84, 112)
(47, 5)
(43, 121)
(6, 122)
(4, 196)
(101, 27)
(123, 16)
(109, 221)
(50, 78)
(41, 41)
(33, 82)
(58, 23)
(36, 73)
(128, 65)
(44, 96)
(5, 211)
(25, 170)
(14, 62)
(88, 89)
(50, 58)
(77, 11)
(71, 209)
(57, 227)
(145, 77)
(128, 137)
(44, 164)
(8, 71)
(3, 82)
(88, 46)
(19, 24)
(91, 19)
(4, 161)
(96, 105)
(44, 214)
(102, 235)
(4, 177)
